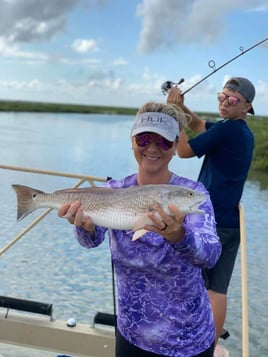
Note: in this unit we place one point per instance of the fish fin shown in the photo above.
(139, 234)
(84, 189)
(25, 202)
(138, 229)
(200, 211)
(141, 222)
(197, 211)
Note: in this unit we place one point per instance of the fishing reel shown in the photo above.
(166, 86)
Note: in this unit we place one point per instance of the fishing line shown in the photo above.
(166, 86)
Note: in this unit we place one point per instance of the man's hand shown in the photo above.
(175, 97)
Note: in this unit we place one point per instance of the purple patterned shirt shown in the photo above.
(163, 306)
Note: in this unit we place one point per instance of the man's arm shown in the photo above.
(196, 124)
(183, 147)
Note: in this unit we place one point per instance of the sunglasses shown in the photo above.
(231, 99)
(144, 139)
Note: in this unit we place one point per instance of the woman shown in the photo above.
(163, 306)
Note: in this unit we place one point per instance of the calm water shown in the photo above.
(48, 265)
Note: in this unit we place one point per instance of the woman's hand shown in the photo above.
(75, 215)
(168, 226)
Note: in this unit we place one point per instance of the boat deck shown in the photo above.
(42, 333)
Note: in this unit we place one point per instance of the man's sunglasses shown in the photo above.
(232, 100)
(145, 139)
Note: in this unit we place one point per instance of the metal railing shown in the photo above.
(82, 178)
(244, 282)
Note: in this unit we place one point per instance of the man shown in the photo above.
(227, 147)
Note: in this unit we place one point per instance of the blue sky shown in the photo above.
(119, 52)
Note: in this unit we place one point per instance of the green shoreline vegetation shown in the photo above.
(258, 124)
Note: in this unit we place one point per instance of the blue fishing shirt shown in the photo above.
(228, 148)
(163, 306)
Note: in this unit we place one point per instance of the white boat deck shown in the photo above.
(41, 333)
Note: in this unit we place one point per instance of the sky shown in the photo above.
(119, 52)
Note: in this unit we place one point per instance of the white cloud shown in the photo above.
(120, 62)
(167, 23)
(261, 89)
(84, 46)
(262, 8)
(35, 20)
(81, 62)
(13, 51)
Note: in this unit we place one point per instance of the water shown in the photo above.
(48, 265)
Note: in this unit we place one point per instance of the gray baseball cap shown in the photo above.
(244, 87)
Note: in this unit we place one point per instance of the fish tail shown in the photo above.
(25, 200)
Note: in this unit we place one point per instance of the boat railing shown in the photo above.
(244, 282)
(81, 179)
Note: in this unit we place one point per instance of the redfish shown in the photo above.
(123, 209)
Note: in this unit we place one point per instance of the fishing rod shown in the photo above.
(166, 86)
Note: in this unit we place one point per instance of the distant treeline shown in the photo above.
(258, 124)
(20, 106)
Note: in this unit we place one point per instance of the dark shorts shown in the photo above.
(126, 349)
(218, 278)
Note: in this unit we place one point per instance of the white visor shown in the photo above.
(158, 123)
